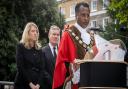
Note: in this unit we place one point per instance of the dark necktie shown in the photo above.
(54, 51)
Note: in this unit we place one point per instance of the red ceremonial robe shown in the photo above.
(66, 53)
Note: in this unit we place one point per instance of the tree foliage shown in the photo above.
(118, 9)
(14, 14)
(8, 39)
(118, 26)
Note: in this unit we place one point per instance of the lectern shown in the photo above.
(103, 75)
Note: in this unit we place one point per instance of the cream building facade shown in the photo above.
(98, 11)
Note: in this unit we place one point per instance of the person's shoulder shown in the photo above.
(65, 34)
(20, 45)
(72, 27)
(45, 47)
(68, 31)
(69, 27)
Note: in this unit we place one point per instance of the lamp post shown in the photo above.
(60, 15)
(60, 21)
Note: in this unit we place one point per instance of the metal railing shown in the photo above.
(6, 85)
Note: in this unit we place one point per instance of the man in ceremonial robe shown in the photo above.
(75, 43)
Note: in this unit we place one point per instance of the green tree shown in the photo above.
(118, 27)
(118, 9)
(14, 14)
(45, 13)
(8, 39)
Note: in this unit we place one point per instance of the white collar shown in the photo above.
(84, 35)
(80, 28)
(51, 47)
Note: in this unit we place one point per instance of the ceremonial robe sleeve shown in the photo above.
(66, 53)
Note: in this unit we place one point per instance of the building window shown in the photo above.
(72, 10)
(58, 0)
(62, 11)
(105, 4)
(94, 5)
(105, 22)
(93, 23)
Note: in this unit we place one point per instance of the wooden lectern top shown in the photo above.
(102, 88)
(86, 61)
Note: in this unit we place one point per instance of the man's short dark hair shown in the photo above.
(78, 5)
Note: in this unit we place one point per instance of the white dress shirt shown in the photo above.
(51, 47)
(84, 34)
(86, 39)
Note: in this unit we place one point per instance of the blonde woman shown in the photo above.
(30, 64)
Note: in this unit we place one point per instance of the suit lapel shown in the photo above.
(50, 55)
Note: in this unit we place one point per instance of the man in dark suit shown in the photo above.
(49, 53)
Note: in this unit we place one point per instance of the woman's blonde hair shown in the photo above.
(25, 36)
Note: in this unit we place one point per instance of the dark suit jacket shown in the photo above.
(49, 64)
(30, 67)
(126, 56)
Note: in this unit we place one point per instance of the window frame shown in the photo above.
(72, 10)
(94, 8)
(92, 23)
(104, 23)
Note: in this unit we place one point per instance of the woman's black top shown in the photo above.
(30, 67)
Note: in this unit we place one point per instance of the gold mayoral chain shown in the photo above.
(86, 46)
